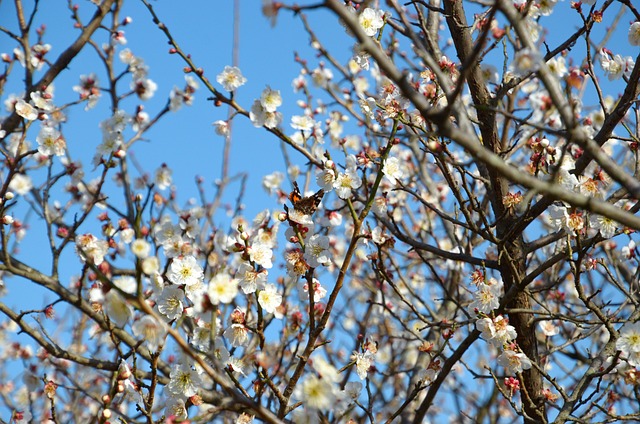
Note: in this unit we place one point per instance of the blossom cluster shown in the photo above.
(495, 328)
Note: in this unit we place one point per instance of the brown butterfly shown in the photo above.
(305, 205)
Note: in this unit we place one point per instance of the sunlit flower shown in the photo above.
(557, 66)
(250, 279)
(269, 298)
(548, 328)
(50, 142)
(140, 248)
(270, 99)
(222, 289)
(261, 254)
(144, 88)
(371, 20)
(347, 180)
(363, 363)
(25, 110)
(221, 128)
(496, 331)
(231, 78)
(316, 393)
(21, 184)
(613, 65)
(514, 362)
(317, 251)
(391, 169)
(126, 283)
(302, 123)
(185, 270)
(487, 298)
(319, 292)
(259, 116)
(89, 246)
(367, 106)
(629, 343)
(605, 225)
(163, 177)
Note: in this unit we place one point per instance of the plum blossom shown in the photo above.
(89, 246)
(349, 180)
(163, 177)
(496, 331)
(487, 297)
(221, 128)
(605, 225)
(548, 328)
(250, 279)
(170, 302)
(261, 117)
(144, 88)
(150, 330)
(363, 362)
(185, 271)
(514, 362)
(189, 225)
(629, 343)
(321, 77)
(21, 184)
(558, 217)
(42, 101)
(88, 89)
(270, 99)
(316, 393)
(140, 248)
(615, 66)
(392, 170)
(175, 408)
(222, 289)
(634, 34)
(26, 110)
(231, 78)
(319, 292)
(557, 66)
(185, 381)
(237, 334)
(367, 106)
(117, 308)
(151, 265)
(326, 177)
(272, 182)
(525, 62)
(371, 20)
(126, 283)
(261, 254)
(317, 251)
(303, 123)
(269, 298)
